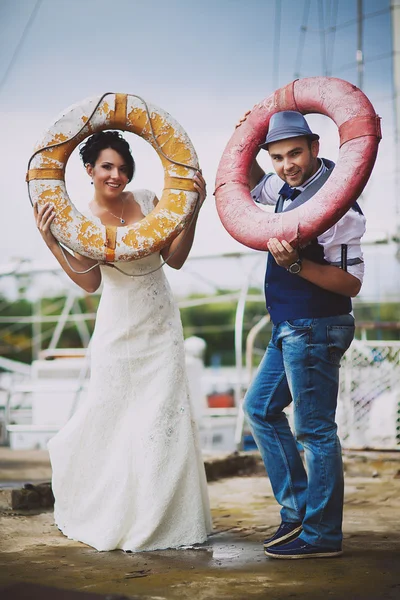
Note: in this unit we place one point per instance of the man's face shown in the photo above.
(294, 160)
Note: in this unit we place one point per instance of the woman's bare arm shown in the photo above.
(182, 244)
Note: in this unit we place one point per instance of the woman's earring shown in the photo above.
(91, 183)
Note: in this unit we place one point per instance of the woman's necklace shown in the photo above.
(121, 219)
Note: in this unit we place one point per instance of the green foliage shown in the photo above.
(16, 337)
(214, 322)
(381, 320)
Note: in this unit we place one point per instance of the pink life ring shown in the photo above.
(359, 130)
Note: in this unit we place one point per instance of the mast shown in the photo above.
(360, 55)
(395, 14)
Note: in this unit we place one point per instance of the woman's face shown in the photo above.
(109, 174)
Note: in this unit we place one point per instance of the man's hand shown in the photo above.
(283, 253)
(327, 277)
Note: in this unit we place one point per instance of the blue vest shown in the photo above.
(292, 297)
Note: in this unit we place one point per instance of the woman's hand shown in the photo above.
(242, 119)
(283, 253)
(44, 217)
(75, 264)
(200, 186)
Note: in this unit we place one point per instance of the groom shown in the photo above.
(308, 293)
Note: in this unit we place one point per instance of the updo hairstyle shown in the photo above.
(90, 150)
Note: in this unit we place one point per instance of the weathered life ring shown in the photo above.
(46, 177)
(359, 130)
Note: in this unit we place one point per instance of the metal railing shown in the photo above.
(368, 413)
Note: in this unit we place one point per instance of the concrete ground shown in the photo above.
(232, 564)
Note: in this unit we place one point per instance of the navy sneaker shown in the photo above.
(300, 549)
(285, 533)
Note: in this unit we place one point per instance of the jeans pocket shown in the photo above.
(300, 324)
(339, 339)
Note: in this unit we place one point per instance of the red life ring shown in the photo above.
(359, 130)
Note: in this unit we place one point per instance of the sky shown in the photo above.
(205, 62)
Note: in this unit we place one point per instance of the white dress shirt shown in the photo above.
(348, 230)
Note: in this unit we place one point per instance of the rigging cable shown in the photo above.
(365, 16)
(20, 43)
(352, 64)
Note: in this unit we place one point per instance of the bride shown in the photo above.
(127, 467)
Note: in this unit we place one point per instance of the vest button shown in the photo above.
(269, 308)
(266, 285)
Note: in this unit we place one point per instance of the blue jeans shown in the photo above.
(302, 364)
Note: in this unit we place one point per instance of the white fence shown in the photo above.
(369, 399)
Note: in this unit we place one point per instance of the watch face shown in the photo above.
(295, 268)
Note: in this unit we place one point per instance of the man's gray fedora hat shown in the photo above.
(287, 124)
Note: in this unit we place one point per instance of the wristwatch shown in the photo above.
(295, 267)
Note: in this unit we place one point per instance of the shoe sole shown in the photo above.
(299, 556)
(288, 537)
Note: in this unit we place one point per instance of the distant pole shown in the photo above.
(277, 43)
(395, 14)
(359, 55)
(36, 329)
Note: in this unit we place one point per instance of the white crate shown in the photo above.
(29, 437)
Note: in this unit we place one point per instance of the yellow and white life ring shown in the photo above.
(46, 177)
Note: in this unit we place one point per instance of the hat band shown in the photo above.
(292, 132)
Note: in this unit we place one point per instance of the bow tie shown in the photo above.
(289, 193)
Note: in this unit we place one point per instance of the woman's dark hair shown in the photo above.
(90, 150)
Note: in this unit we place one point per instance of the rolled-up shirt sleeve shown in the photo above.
(348, 230)
(267, 190)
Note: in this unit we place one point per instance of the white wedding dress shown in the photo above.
(127, 467)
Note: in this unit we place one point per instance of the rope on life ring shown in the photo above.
(360, 133)
(46, 177)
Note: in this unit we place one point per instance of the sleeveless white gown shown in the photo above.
(127, 467)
